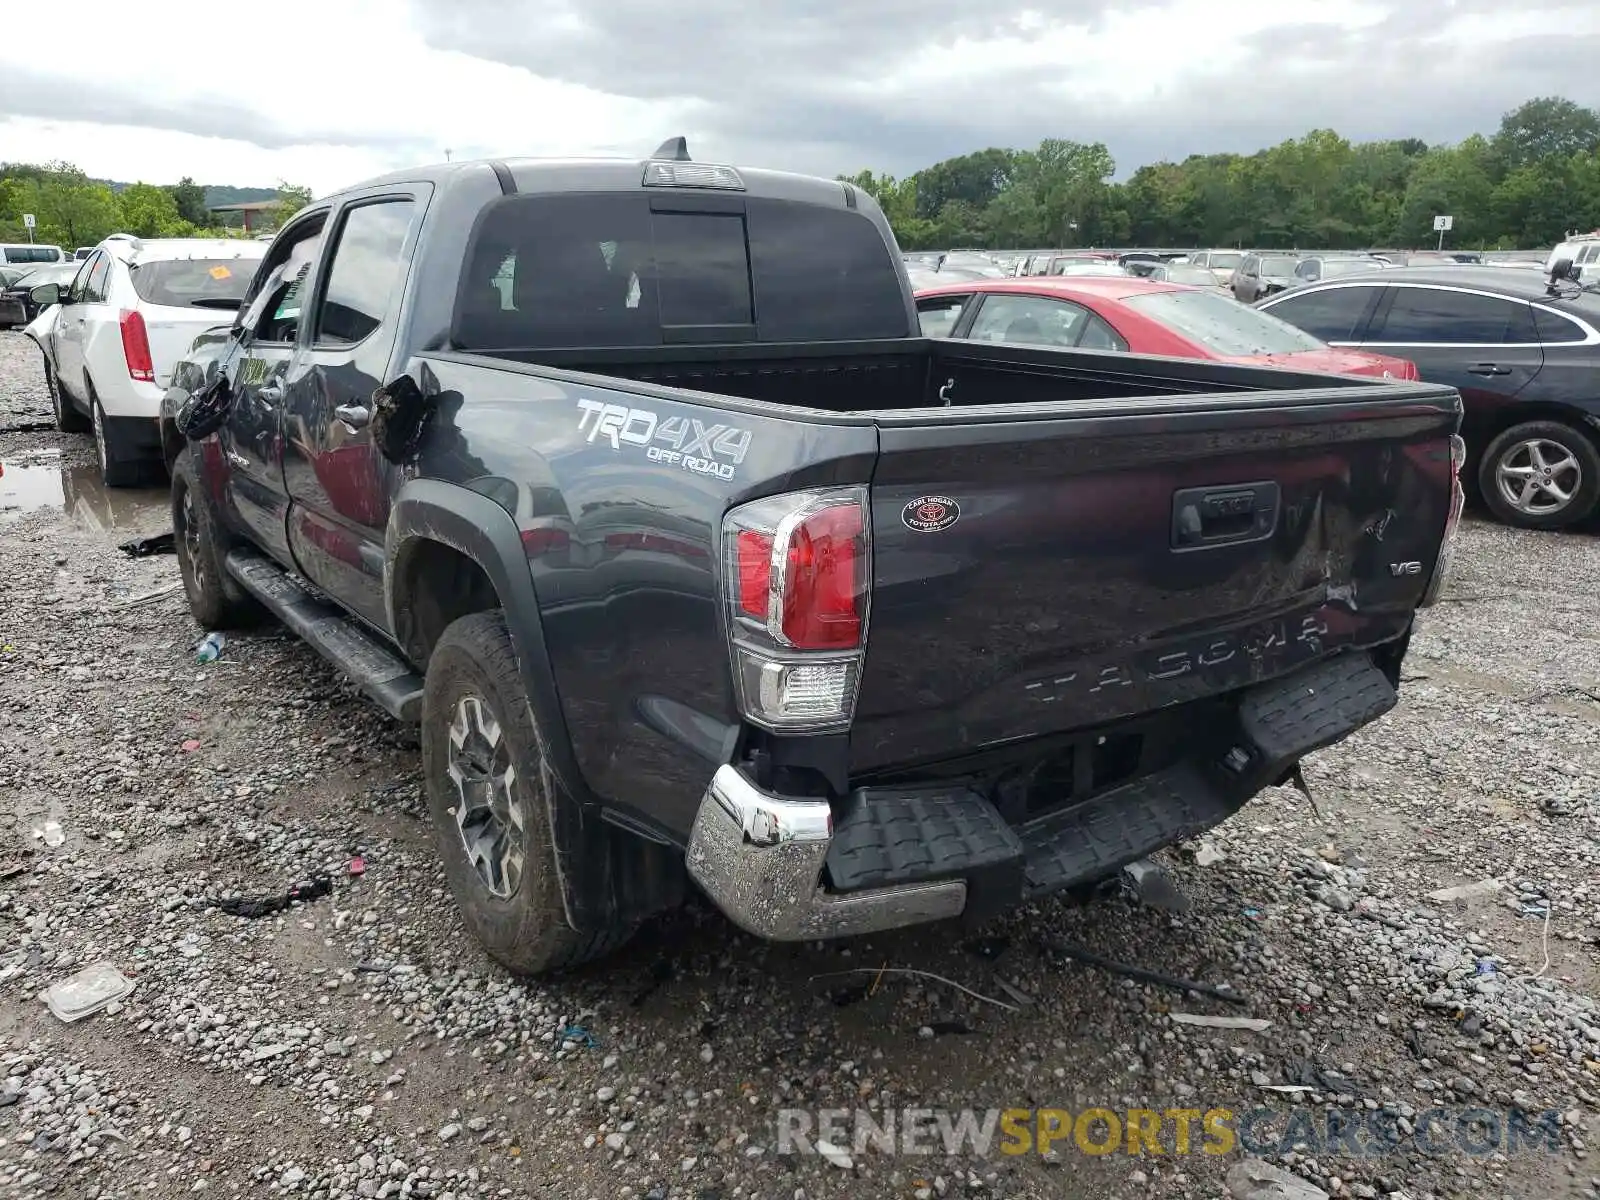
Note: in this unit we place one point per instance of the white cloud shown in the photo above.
(360, 95)
(327, 92)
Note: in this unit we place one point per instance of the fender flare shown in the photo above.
(429, 510)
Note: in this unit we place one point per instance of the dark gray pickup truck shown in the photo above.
(634, 484)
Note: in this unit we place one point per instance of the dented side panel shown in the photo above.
(617, 496)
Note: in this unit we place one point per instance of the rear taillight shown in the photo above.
(539, 541)
(1458, 501)
(136, 347)
(797, 570)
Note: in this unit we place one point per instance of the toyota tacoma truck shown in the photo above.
(635, 486)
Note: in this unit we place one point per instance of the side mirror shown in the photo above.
(47, 294)
(203, 413)
(1562, 269)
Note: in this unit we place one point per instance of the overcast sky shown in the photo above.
(327, 92)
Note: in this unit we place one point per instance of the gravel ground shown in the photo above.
(359, 1044)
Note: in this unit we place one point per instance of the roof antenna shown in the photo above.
(674, 149)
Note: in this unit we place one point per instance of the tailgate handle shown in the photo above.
(1224, 516)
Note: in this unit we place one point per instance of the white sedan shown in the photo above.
(113, 336)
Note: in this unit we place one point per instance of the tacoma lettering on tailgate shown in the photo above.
(1258, 650)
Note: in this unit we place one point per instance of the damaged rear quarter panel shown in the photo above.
(618, 492)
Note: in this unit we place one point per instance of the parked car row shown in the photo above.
(1523, 353)
(114, 325)
(1137, 316)
(14, 254)
(17, 305)
(1522, 350)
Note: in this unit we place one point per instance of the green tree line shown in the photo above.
(1526, 185)
(72, 210)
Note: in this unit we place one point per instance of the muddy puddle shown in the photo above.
(31, 482)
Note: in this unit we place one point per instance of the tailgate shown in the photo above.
(1039, 572)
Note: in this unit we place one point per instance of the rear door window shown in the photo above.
(1557, 330)
(1097, 335)
(365, 272)
(1335, 314)
(1437, 316)
(94, 291)
(624, 269)
(1029, 320)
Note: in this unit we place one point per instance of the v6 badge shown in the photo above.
(930, 514)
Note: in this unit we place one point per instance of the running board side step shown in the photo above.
(377, 670)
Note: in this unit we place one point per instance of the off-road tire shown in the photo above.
(68, 418)
(216, 599)
(1575, 442)
(527, 930)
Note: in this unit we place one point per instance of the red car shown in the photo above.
(1134, 315)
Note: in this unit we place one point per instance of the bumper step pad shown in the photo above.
(1097, 838)
(889, 837)
(900, 837)
(1288, 718)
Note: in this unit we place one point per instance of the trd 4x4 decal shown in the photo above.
(684, 442)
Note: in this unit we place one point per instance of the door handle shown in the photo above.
(1223, 516)
(270, 392)
(356, 416)
(1489, 369)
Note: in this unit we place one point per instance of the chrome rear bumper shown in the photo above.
(760, 856)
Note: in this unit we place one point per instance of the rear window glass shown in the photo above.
(1224, 261)
(1223, 325)
(702, 269)
(1333, 268)
(196, 282)
(1197, 276)
(604, 270)
(1278, 265)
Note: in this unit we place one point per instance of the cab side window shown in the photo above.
(80, 281)
(273, 314)
(938, 315)
(366, 271)
(94, 291)
(1029, 321)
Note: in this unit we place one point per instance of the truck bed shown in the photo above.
(910, 373)
(1070, 594)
